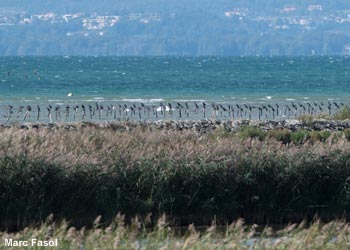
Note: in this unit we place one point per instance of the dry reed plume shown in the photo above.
(237, 236)
(103, 146)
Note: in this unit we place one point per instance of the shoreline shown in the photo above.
(139, 112)
(200, 126)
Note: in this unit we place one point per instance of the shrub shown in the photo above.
(321, 136)
(324, 135)
(300, 137)
(252, 132)
(283, 135)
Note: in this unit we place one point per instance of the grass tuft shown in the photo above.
(342, 114)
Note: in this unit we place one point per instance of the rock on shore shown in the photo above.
(200, 126)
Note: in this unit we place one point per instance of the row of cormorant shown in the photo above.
(177, 110)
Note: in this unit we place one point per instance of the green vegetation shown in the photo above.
(321, 136)
(283, 135)
(306, 119)
(342, 114)
(299, 137)
(251, 132)
(78, 175)
(237, 236)
(347, 134)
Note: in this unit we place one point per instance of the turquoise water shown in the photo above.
(170, 78)
(151, 80)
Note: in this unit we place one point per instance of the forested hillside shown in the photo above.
(182, 27)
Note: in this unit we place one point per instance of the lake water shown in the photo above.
(153, 80)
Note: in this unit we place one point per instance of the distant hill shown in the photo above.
(181, 27)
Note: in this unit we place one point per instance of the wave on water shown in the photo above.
(265, 98)
(189, 100)
(156, 100)
(143, 100)
(99, 98)
(132, 100)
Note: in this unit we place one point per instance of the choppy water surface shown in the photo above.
(152, 80)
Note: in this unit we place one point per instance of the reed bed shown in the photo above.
(104, 146)
(80, 174)
(237, 236)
